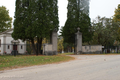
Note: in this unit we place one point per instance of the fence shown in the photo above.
(19, 48)
(27, 49)
(111, 49)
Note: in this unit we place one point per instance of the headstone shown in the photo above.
(78, 42)
(72, 50)
(62, 51)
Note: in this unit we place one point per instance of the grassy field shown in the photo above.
(10, 62)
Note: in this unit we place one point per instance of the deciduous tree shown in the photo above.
(105, 31)
(60, 44)
(116, 16)
(5, 19)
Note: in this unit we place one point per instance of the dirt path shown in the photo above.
(84, 67)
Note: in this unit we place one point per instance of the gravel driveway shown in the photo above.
(84, 67)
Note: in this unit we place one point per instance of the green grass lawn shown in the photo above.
(10, 62)
(66, 54)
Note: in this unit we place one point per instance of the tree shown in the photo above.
(60, 44)
(77, 16)
(116, 16)
(105, 31)
(5, 19)
(36, 20)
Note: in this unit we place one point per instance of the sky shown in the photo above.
(103, 8)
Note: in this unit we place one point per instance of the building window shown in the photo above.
(21, 47)
(8, 47)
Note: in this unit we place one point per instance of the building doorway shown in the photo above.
(15, 47)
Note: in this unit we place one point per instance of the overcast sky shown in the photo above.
(97, 7)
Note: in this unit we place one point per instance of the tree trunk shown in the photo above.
(39, 45)
(33, 46)
(98, 39)
(117, 49)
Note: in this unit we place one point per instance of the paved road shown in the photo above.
(85, 67)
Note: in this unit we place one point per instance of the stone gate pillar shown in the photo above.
(54, 41)
(51, 49)
(78, 42)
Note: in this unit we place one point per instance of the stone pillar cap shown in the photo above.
(78, 29)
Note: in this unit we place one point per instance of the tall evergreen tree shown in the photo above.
(77, 16)
(19, 22)
(36, 18)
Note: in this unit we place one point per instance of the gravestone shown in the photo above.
(78, 42)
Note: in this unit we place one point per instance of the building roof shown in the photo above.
(5, 32)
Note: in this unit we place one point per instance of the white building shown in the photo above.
(6, 43)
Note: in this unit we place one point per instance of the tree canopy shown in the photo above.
(60, 44)
(77, 16)
(5, 19)
(105, 31)
(35, 19)
(116, 16)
